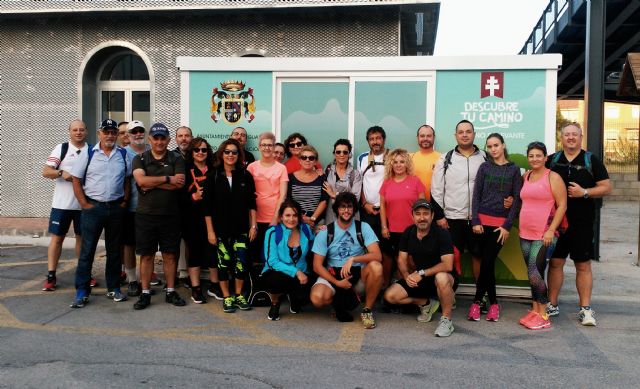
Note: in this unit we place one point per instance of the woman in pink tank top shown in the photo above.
(544, 202)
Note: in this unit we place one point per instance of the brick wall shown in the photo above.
(626, 187)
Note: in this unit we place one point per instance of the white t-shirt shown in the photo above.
(371, 180)
(63, 196)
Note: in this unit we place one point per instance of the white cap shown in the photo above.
(134, 124)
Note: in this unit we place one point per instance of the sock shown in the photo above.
(131, 274)
(587, 307)
(146, 291)
(366, 310)
(545, 316)
(51, 274)
(184, 274)
(169, 290)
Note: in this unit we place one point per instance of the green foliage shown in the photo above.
(520, 160)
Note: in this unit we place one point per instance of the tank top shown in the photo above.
(537, 206)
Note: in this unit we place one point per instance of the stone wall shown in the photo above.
(626, 187)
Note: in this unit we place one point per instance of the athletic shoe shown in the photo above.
(214, 291)
(134, 289)
(494, 313)
(155, 281)
(474, 312)
(344, 316)
(175, 299)
(93, 283)
(241, 303)
(552, 310)
(197, 296)
(587, 316)
(274, 312)
(229, 304)
(484, 305)
(537, 322)
(49, 284)
(116, 295)
(81, 299)
(445, 328)
(524, 319)
(143, 301)
(367, 319)
(427, 311)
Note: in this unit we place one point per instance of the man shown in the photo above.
(123, 136)
(64, 206)
(184, 136)
(101, 183)
(586, 179)
(425, 159)
(240, 134)
(159, 173)
(431, 272)
(351, 250)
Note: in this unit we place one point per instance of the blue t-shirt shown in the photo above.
(345, 244)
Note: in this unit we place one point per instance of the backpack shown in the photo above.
(371, 163)
(587, 162)
(447, 160)
(90, 152)
(331, 230)
(63, 153)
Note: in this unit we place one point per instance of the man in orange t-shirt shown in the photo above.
(424, 160)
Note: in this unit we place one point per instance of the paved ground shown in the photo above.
(43, 343)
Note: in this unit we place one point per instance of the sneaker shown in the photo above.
(215, 292)
(537, 322)
(367, 319)
(587, 316)
(80, 300)
(274, 312)
(494, 312)
(427, 311)
(49, 284)
(175, 299)
(524, 319)
(93, 283)
(294, 306)
(241, 303)
(197, 296)
(155, 281)
(484, 305)
(445, 328)
(229, 304)
(344, 316)
(143, 301)
(116, 295)
(474, 312)
(134, 289)
(552, 310)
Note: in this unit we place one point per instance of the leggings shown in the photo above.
(232, 257)
(535, 257)
(489, 248)
(279, 283)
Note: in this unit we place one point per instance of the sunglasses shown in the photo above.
(137, 131)
(307, 157)
(296, 144)
(200, 150)
(341, 152)
(230, 152)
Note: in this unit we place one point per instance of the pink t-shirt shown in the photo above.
(398, 199)
(267, 180)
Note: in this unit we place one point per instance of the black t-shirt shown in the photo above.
(426, 252)
(159, 201)
(248, 157)
(579, 209)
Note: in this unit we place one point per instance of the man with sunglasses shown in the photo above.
(240, 134)
(101, 183)
(159, 174)
(586, 179)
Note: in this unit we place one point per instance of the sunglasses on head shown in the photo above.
(296, 144)
(200, 150)
(137, 131)
(307, 157)
(341, 152)
(230, 152)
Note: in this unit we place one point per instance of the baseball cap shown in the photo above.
(420, 203)
(134, 124)
(108, 123)
(159, 129)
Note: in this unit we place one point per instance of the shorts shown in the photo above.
(60, 221)
(374, 222)
(576, 242)
(426, 288)
(355, 277)
(393, 243)
(462, 237)
(129, 229)
(157, 231)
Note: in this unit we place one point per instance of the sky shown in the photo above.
(486, 27)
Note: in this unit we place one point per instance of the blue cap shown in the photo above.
(108, 123)
(159, 129)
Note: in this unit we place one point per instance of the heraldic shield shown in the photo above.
(232, 103)
(232, 110)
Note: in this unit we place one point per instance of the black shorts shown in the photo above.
(155, 232)
(129, 229)
(374, 222)
(462, 237)
(60, 221)
(426, 288)
(576, 243)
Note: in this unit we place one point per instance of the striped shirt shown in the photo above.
(307, 194)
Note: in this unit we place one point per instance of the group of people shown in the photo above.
(393, 225)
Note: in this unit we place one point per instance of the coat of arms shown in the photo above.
(232, 103)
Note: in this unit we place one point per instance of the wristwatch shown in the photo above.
(421, 272)
(59, 173)
(167, 179)
(586, 194)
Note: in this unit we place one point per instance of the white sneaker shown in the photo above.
(445, 328)
(587, 317)
(553, 310)
(427, 311)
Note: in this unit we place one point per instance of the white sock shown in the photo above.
(131, 274)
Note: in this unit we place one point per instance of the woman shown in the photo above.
(279, 151)
(271, 180)
(199, 170)
(496, 180)
(286, 247)
(398, 192)
(341, 176)
(294, 144)
(544, 203)
(231, 221)
(305, 187)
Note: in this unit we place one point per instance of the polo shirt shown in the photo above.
(426, 252)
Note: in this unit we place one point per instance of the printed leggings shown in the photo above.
(232, 257)
(535, 256)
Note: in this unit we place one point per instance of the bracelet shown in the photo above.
(59, 173)
(255, 227)
(385, 228)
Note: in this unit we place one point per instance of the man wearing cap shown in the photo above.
(123, 136)
(101, 183)
(240, 134)
(159, 174)
(431, 271)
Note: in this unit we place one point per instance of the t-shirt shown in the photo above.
(426, 252)
(423, 165)
(307, 194)
(344, 245)
(159, 201)
(133, 198)
(63, 196)
(398, 199)
(267, 180)
(372, 177)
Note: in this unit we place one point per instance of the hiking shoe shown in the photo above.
(214, 291)
(525, 319)
(484, 305)
(175, 299)
(343, 316)
(474, 312)
(93, 283)
(134, 289)
(155, 281)
(537, 322)
(241, 303)
(49, 284)
(143, 301)
(427, 311)
(367, 319)
(587, 316)
(197, 296)
(552, 310)
(229, 304)
(80, 300)
(274, 312)
(116, 295)
(494, 312)
(445, 328)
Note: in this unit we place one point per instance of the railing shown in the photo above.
(547, 26)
